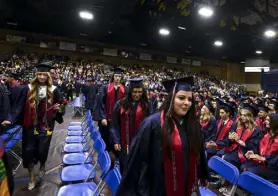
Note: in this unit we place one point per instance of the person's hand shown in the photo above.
(104, 122)
(248, 154)
(117, 147)
(213, 144)
(56, 106)
(255, 157)
(231, 136)
(236, 137)
(6, 122)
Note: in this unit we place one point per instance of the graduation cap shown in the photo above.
(118, 70)
(180, 84)
(210, 107)
(90, 79)
(251, 109)
(230, 107)
(263, 108)
(44, 66)
(13, 75)
(136, 83)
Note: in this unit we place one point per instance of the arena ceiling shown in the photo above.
(240, 24)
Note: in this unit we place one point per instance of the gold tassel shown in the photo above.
(35, 132)
(49, 132)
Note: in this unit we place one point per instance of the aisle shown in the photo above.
(51, 183)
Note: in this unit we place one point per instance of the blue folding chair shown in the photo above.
(257, 185)
(224, 169)
(91, 189)
(85, 172)
(82, 158)
(13, 142)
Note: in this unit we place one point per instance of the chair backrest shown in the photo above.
(224, 169)
(104, 162)
(99, 146)
(257, 185)
(77, 102)
(95, 135)
(113, 180)
(10, 144)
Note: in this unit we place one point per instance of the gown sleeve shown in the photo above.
(57, 97)
(115, 124)
(4, 104)
(151, 108)
(103, 94)
(19, 95)
(253, 142)
(135, 180)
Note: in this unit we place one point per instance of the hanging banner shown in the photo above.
(110, 52)
(67, 46)
(171, 59)
(13, 38)
(196, 63)
(185, 61)
(145, 56)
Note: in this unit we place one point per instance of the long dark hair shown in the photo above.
(126, 102)
(273, 123)
(192, 128)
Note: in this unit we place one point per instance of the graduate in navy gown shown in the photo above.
(224, 126)
(110, 94)
(42, 109)
(90, 91)
(167, 156)
(245, 138)
(264, 163)
(260, 120)
(208, 122)
(127, 116)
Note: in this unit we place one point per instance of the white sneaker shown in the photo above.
(31, 186)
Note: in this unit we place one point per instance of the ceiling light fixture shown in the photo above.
(182, 28)
(206, 12)
(259, 52)
(270, 33)
(242, 62)
(218, 43)
(86, 15)
(164, 32)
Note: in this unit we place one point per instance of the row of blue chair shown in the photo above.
(12, 137)
(246, 180)
(80, 168)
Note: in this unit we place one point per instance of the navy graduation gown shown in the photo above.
(269, 168)
(4, 108)
(251, 145)
(90, 91)
(220, 143)
(17, 98)
(209, 130)
(144, 171)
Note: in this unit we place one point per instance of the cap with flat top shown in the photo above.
(180, 84)
(44, 66)
(136, 83)
(263, 108)
(118, 70)
(251, 109)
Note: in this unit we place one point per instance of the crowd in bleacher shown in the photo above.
(238, 128)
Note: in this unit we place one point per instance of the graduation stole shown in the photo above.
(204, 124)
(30, 114)
(127, 132)
(174, 168)
(221, 134)
(268, 145)
(110, 99)
(243, 137)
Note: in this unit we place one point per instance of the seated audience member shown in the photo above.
(224, 126)
(260, 120)
(265, 162)
(208, 122)
(245, 138)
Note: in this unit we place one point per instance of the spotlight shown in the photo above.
(86, 15)
(218, 43)
(259, 52)
(206, 12)
(270, 33)
(164, 32)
